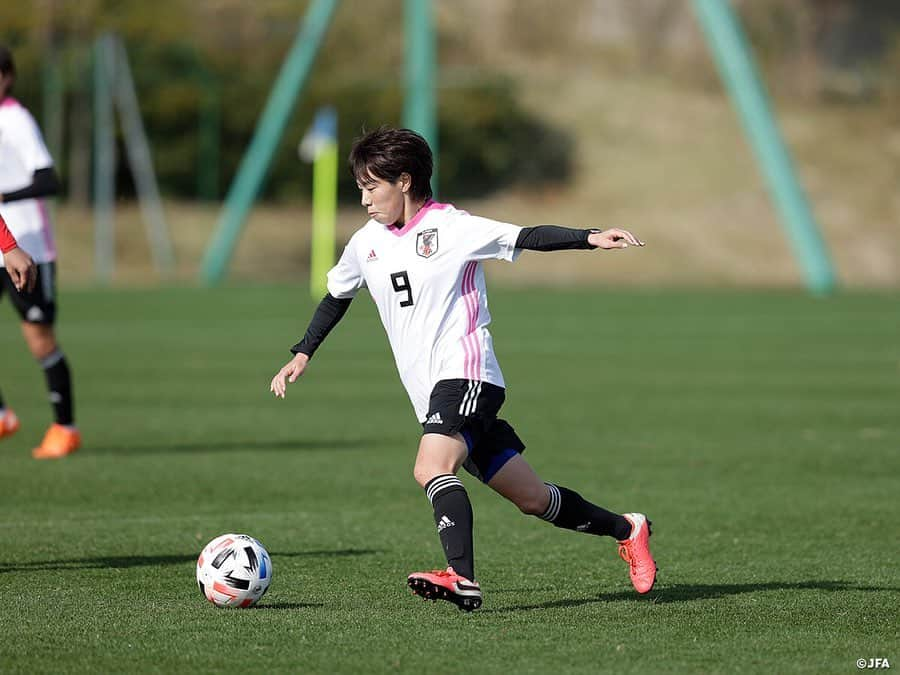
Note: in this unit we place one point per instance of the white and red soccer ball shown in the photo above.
(234, 570)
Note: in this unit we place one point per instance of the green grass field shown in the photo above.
(759, 430)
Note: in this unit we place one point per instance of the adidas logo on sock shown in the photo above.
(435, 419)
(444, 523)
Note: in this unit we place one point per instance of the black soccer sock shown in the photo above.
(453, 517)
(1, 402)
(569, 510)
(59, 385)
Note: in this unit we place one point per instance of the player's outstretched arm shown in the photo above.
(327, 315)
(556, 238)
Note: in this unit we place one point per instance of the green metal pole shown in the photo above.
(54, 112)
(736, 66)
(255, 163)
(53, 105)
(104, 159)
(419, 110)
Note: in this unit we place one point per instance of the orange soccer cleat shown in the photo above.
(9, 423)
(59, 441)
(636, 552)
(446, 585)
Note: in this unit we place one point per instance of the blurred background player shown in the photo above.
(421, 262)
(26, 176)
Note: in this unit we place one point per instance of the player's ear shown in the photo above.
(405, 182)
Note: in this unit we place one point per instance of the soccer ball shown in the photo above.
(234, 570)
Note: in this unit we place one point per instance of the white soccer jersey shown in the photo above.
(427, 282)
(22, 152)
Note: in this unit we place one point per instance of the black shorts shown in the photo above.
(470, 408)
(38, 306)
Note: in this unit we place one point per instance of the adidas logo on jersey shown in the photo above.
(372, 257)
(435, 419)
(444, 523)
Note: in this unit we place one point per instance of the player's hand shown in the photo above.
(613, 238)
(291, 371)
(21, 269)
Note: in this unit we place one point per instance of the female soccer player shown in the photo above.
(26, 176)
(421, 262)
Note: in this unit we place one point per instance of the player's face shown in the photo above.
(382, 199)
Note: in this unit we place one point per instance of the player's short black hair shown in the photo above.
(7, 65)
(387, 153)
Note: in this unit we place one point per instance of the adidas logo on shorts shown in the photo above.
(444, 523)
(34, 314)
(435, 419)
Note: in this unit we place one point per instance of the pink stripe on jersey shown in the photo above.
(46, 232)
(467, 358)
(463, 294)
(469, 291)
(9, 101)
(430, 205)
(476, 349)
(473, 315)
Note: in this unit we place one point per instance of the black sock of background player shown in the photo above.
(569, 510)
(1, 401)
(453, 517)
(59, 386)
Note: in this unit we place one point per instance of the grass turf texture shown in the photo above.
(758, 430)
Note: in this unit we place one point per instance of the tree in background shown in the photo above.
(204, 68)
(203, 71)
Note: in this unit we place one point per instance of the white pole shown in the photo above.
(104, 161)
(141, 163)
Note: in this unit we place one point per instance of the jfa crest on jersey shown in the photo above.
(427, 242)
(433, 304)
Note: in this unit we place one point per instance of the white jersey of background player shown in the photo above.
(421, 262)
(428, 284)
(22, 154)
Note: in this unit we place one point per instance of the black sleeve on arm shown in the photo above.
(44, 184)
(553, 238)
(327, 314)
